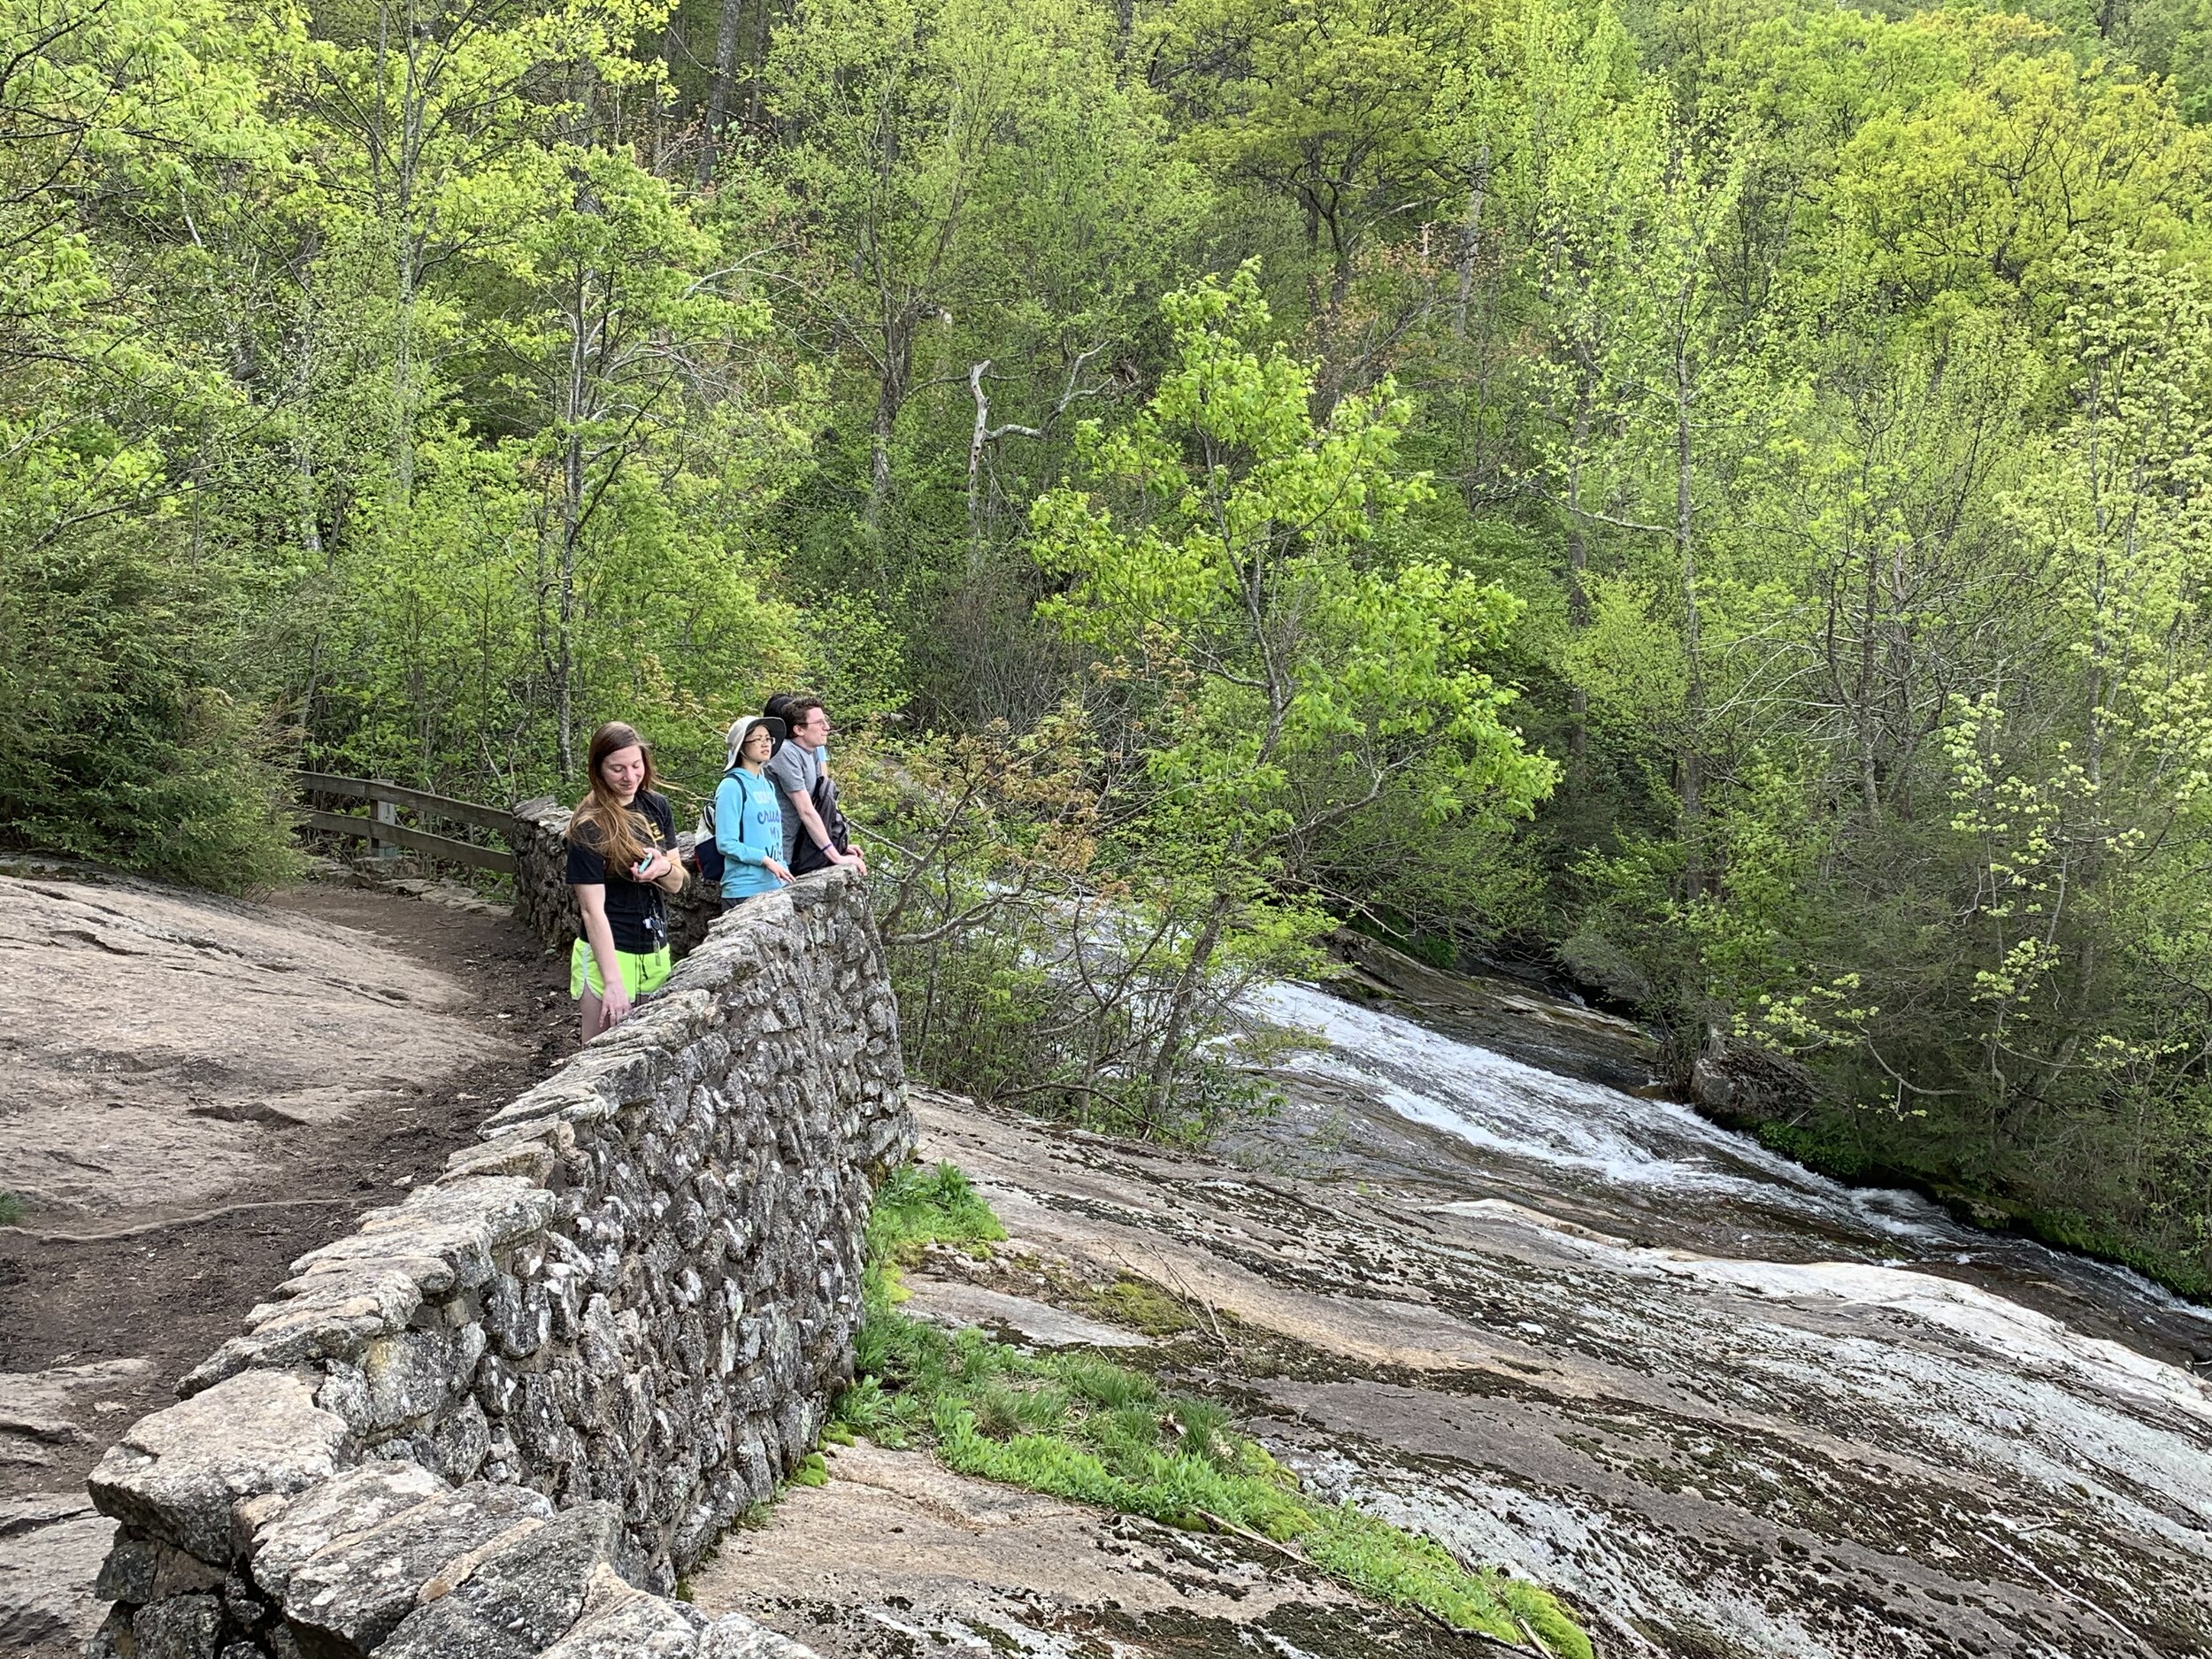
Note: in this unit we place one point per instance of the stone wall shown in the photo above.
(504, 1415)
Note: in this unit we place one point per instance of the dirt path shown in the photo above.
(208, 1091)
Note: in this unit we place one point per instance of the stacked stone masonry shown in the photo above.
(504, 1416)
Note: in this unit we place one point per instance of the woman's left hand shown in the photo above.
(776, 870)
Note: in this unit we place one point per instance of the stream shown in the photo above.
(1752, 1410)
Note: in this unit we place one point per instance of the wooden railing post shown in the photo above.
(386, 836)
(382, 811)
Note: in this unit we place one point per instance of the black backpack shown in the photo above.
(706, 852)
(806, 858)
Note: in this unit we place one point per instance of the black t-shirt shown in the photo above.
(636, 911)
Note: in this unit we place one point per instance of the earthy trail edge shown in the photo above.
(96, 1327)
(144, 1228)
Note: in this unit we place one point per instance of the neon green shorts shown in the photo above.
(643, 970)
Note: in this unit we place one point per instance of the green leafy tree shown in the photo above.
(1973, 192)
(898, 119)
(119, 589)
(984, 211)
(626, 336)
(1281, 671)
(1343, 108)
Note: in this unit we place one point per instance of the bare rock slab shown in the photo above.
(347, 1597)
(953, 1302)
(897, 1556)
(51, 1544)
(126, 1100)
(48, 1409)
(620, 1621)
(343, 1508)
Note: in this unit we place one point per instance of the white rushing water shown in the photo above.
(1830, 1421)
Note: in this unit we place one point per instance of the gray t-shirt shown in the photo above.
(792, 769)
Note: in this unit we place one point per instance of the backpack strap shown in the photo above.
(706, 807)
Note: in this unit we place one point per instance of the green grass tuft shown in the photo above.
(921, 1207)
(1081, 1427)
(11, 1210)
(1102, 1383)
(1143, 1306)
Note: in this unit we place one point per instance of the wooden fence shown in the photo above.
(380, 827)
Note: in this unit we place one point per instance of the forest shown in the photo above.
(1706, 497)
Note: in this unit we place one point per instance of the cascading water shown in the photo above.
(1764, 1413)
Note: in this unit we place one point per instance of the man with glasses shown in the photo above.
(803, 790)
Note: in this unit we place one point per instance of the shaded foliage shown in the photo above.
(1709, 493)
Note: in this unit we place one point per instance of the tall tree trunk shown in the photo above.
(1869, 783)
(1578, 555)
(311, 516)
(977, 439)
(719, 87)
(1693, 758)
(763, 25)
(311, 526)
(1313, 256)
(1469, 238)
(408, 260)
(303, 377)
(575, 399)
(675, 51)
(668, 113)
(1167, 1059)
(1340, 273)
(404, 382)
(2100, 651)
(898, 348)
(564, 611)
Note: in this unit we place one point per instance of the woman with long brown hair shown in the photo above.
(621, 862)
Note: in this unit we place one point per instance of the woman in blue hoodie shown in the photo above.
(748, 817)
